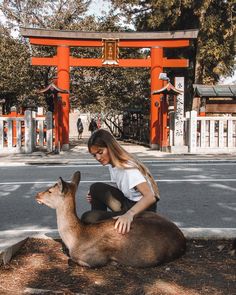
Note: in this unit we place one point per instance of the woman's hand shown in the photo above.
(89, 197)
(123, 222)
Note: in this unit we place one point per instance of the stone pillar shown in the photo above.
(193, 132)
(28, 132)
(179, 113)
(19, 134)
(179, 146)
(10, 133)
(1, 133)
(49, 133)
(1, 107)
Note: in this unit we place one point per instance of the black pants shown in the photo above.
(105, 196)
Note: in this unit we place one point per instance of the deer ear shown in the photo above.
(61, 184)
(76, 178)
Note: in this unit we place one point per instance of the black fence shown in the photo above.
(136, 126)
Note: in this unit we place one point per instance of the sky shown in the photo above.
(229, 80)
(97, 6)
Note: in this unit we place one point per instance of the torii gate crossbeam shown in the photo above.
(156, 41)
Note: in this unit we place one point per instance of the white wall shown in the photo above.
(73, 117)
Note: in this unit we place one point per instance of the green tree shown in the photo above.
(17, 78)
(94, 89)
(16, 52)
(215, 20)
(57, 14)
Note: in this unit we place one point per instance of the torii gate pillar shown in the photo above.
(63, 82)
(156, 83)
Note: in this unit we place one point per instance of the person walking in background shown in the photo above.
(93, 126)
(135, 189)
(80, 128)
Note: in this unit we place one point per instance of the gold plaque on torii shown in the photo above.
(110, 52)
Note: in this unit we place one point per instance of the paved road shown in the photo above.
(192, 195)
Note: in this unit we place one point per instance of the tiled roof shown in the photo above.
(214, 90)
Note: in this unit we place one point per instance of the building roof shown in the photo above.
(53, 88)
(168, 89)
(214, 91)
(61, 34)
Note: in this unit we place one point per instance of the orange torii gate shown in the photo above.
(110, 42)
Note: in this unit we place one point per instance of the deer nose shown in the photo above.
(37, 197)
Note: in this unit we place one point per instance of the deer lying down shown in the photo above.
(152, 239)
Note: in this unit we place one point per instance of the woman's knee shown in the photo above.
(95, 216)
(88, 217)
(96, 188)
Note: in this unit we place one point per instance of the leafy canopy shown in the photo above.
(215, 19)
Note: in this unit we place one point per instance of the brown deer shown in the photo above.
(152, 239)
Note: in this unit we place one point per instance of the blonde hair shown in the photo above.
(119, 156)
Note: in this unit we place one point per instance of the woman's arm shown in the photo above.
(124, 221)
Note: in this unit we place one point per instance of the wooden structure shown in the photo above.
(217, 99)
(110, 42)
(168, 103)
(54, 92)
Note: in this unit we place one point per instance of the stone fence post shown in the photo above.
(28, 132)
(193, 132)
(49, 132)
(1, 134)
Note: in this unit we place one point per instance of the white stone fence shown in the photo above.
(200, 135)
(27, 133)
(210, 134)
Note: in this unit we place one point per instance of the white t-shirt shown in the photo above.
(126, 180)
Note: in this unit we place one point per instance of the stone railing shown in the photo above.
(26, 134)
(210, 134)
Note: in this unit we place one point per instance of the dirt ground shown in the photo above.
(41, 267)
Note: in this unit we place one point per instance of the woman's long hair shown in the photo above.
(120, 157)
